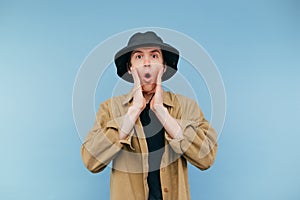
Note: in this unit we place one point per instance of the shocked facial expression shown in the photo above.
(147, 61)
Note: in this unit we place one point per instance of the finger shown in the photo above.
(137, 84)
(135, 76)
(152, 102)
(159, 76)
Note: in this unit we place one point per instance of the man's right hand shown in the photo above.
(139, 102)
(138, 105)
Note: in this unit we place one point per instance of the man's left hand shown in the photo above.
(157, 101)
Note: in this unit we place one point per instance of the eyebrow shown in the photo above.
(153, 51)
(136, 51)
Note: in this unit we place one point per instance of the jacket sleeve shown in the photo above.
(199, 143)
(102, 143)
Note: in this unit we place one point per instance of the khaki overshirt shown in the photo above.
(130, 156)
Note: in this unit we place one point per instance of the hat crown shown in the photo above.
(144, 38)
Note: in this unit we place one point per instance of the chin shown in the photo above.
(148, 87)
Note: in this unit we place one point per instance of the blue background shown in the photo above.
(255, 45)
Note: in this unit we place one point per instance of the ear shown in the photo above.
(165, 68)
(128, 69)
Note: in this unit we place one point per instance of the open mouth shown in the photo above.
(147, 78)
(147, 75)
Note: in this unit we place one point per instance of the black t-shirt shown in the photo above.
(154, 133)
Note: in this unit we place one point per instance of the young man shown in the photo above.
(149, 134)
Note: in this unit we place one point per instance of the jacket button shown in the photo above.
(163, 169)
(166, 190)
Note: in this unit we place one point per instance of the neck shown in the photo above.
(148, 96)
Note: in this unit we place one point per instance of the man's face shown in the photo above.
(147, 61)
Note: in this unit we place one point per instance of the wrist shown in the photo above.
(129, 121)
(160, 111)
(159, 108)
(123, 134)
(134, 111)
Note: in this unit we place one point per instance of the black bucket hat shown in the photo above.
(147, 39)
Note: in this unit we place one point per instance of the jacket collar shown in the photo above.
(166, 99)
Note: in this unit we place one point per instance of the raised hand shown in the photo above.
(138, 105)
(169, 123)
(139, 102)
(157, 100)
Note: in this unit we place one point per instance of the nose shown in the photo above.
(146, 61)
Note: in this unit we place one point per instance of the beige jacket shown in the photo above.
(130, 156)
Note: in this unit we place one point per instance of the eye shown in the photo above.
(138, 56)
(154, 56)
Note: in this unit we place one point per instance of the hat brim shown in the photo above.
(170, 55)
